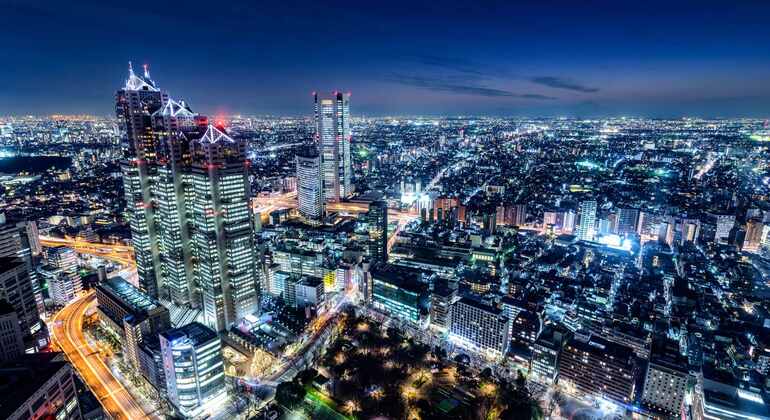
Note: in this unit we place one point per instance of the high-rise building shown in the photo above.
(188, 195)
(64, 282)
(174, 125)
(479, 327)
(310, 191)
(600, 368)
(398, 291)
(332, 118)
(135, 104)
(667, 378)
(725, 223)
(38, 386)
(16, 288)
(628, 220)
(11, 342)
(223, 234)
(20, 239)
(377, 219)
(754, 233)
(587, 227)
(194, 368)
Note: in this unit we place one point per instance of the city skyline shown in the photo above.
(696, 59)
(397, 211)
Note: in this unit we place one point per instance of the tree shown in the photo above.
(307, 376)
(290, 394)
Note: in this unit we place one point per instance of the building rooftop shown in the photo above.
(20, 379)
(127, 293)
(194, 334)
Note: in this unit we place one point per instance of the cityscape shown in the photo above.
(165, 258)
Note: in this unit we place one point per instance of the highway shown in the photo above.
(121, 254)
(68, 336)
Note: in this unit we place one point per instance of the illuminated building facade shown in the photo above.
(310, 191)
(479, 327)
(377, 218)
(135, 104)
(187, 190)
(587, 227)
(223, 234)
(194, 369)
(332, 118)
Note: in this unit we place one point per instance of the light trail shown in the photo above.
(121, 254)
(68, 336)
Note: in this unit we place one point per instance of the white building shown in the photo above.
(480, 328)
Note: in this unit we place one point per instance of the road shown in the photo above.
(67, 333)
(121, 254)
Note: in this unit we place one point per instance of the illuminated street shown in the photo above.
(68, 336)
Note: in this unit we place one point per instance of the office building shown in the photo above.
(304, 291)
(135, 104)
(441, 299)
(666, 379)
(61, 272)
(479, 327)
(174, 124)
(188, 204)
(130, 313)
(587, 227)
(11, 342)
(223, 234)
(16, 289)
(377, 219)
(193, 367)
(725, 224)
(628, 221)
(21, 239)
(398, 291)
(38, 387)
(332, 118)
(544, 365)
(600, 368)
(310, 192)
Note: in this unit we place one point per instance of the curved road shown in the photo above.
(68, 336)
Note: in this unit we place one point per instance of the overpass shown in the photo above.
(121, 254)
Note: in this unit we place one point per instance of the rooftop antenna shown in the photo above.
(146, 71)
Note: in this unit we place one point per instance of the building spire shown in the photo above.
(146, 71)
(130, 68)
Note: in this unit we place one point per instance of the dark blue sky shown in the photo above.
(572, 58)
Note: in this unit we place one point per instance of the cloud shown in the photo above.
(561, 83)
(443, 85)
(480, 72)
(450, 63)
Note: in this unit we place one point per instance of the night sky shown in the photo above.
(547, 58)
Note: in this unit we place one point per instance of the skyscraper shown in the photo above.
(310, 193)
(135, 104)
(223, 234)
(377, 218)
(586, 228)
(187, 194)
(332, 118)
(174, 125)
(16, 288)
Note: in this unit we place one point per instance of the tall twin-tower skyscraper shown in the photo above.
(324, 169)
(187, 193)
